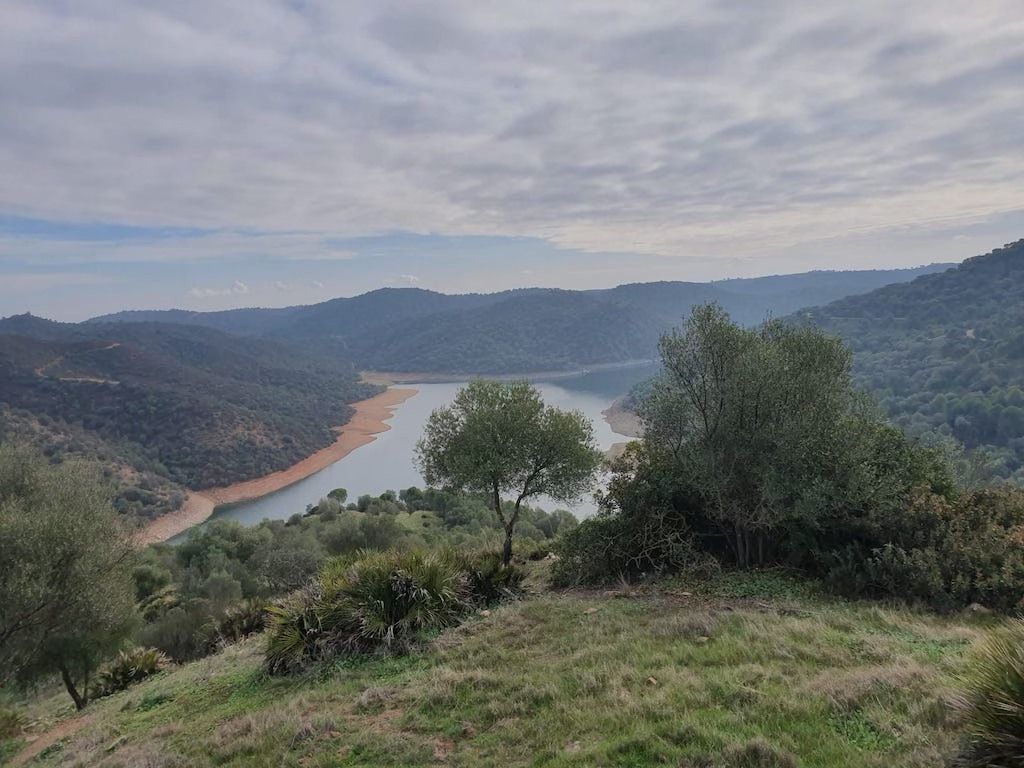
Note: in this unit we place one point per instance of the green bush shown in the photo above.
(488, 580)
(612, 546)
(947, 553)
(127, 668)
(378, 602)
(10, 723)
(184, 632)
(242, 619)
(993, 702)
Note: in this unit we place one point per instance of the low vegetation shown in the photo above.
(380, 602)
(127, 668)
(213, 587)
(686, 673)
(993, 702)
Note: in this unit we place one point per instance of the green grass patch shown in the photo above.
(576, 680)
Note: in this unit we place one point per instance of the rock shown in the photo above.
(484, 612)
(589, 611)
(372, 697)
(977, 608)
(652, 680)
(702, 639)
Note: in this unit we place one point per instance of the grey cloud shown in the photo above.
(693, 127)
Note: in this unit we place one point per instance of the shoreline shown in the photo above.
(368, 421)
(388, 378)
(622, 422)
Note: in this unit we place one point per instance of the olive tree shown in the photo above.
(757, 421)
(66, 593)
(500, 439)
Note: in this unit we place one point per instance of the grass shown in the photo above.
(734, 674)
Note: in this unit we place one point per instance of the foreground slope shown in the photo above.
(945, 351)
(712, 678)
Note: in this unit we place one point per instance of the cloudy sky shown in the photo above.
(207, 154)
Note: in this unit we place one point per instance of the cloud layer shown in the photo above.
(668, 128)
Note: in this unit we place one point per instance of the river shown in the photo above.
(388, 462)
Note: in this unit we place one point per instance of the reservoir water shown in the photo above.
(388, 462)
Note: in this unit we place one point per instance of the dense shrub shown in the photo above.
(243, 619)
(191, 595)
(127, 668)
(946, 552)
(992, 702)
(488, 580)
(378, 602)
(613, 546)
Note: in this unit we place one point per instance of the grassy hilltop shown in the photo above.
(739, 671)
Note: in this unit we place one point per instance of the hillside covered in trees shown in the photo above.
(168, 406)
(946, 352)
(411, 329)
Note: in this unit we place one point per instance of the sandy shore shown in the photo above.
(370, 419)
(413, 377)
(622, 422)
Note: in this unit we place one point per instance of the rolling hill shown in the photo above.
(945, 352)
(169, 406)
(525, 330)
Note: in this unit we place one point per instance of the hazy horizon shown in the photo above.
(202, 157)
(74, 319)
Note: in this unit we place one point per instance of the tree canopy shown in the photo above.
(499, 438)
(66, 595)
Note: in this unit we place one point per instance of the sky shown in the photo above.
(208, 154)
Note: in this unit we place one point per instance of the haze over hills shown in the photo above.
(946, 351)
(410, 329)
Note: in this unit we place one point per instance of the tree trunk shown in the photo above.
(76, 697)
(506, 552)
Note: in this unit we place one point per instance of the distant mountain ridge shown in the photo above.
(524, 330)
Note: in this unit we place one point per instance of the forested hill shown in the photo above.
(946, 351)
(168, 405)
(523, 330)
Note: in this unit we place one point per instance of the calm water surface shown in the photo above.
(387, 462)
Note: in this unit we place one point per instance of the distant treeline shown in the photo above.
(945, 353)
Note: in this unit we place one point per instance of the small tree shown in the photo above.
(66, 594)
(498, 438)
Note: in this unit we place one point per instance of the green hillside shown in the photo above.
(410, 329)
(738, 672)
(167, 403)
(946, 351)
